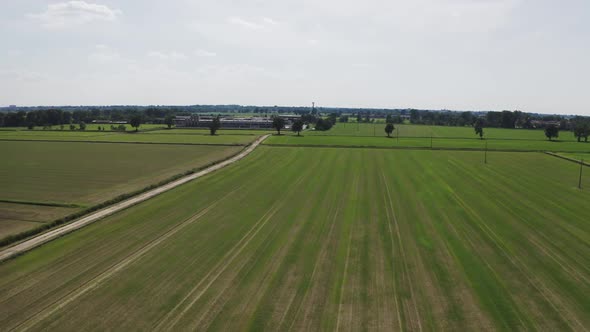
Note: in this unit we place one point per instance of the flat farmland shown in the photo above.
(83, 174)
(407, 130)
(423, 142)
(324, 239)
(200, 131)
(127, 137)
(89, 126)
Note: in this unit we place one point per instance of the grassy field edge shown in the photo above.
(15, 238)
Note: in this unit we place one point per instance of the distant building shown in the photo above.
(544, 124)
(108, 122)
(203, 121)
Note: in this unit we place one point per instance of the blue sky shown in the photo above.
(454, 54)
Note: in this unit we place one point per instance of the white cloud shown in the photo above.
(22, 75)
(204, 53)
(103, 54)
(163, 55)
(244, 23)
(270, 21)
(73, 13)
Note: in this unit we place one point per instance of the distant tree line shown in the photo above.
(320, 118)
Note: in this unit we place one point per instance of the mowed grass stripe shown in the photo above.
(124, 233)
(113, 304)
(471, 256)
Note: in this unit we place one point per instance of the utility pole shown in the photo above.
(431, 141)
(580, 179)
(485, 156)
(374, 125)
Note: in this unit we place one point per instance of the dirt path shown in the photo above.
(97, 215)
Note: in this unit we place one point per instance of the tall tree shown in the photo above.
(169, 120)
(278, 123)
(297, 126)
(582, 130)
(214, 125)
(388, 119)
(478, 126)
(389, 129)
(135, 121)
(552, 131)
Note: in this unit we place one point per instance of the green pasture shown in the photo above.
(168, 137)
(326, 239)
(89, 127)
(86, 174)
(407, 130)
(308, 139)
(201, 131)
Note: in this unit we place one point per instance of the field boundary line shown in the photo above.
(97, 215)
(567, 158)
(118, 142)
(48, 204)
(281, 145)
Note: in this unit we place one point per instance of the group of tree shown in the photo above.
(390, 118)
(321, 118)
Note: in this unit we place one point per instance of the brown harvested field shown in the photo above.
(85, 174)
(16, 218)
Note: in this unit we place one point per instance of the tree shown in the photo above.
(414, 116)
(389, 129)
(169, 121)
(214, 125)
(297, 126)
(82, 125)
(552, 131)
(582, 130)
(323, 124)
(478, 126)
(359, 117)
(135, 121)
(278, 123)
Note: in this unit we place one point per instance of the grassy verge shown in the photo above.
(66, 205)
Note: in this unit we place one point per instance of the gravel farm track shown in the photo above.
(95, 216)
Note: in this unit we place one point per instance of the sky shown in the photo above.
(524, 55)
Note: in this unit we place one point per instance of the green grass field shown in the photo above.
(196, 131)
(325, 239)
(168, 137)
(90, 126)
(440, 143)
(406, 130)
(86, 174)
